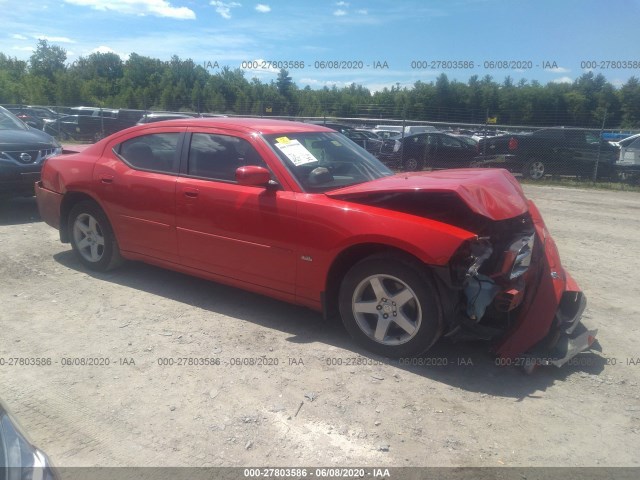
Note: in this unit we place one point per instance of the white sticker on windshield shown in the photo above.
(296, 152)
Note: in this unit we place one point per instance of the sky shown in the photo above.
(374, 43)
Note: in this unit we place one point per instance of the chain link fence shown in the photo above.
(409, 145)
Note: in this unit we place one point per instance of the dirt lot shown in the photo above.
(302, 399)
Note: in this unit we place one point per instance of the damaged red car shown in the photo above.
(300, 213)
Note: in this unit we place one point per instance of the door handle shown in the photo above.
(191, 193)
(108, 179)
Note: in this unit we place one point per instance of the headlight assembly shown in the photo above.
(517, 258)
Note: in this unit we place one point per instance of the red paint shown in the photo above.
(283, 242)
(494, 193)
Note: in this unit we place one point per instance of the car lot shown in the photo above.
(134, 378)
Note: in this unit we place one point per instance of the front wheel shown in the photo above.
(534, 169)
(411, 165)
(390, 307)
(92, 237)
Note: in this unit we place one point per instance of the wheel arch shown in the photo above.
(70, 200)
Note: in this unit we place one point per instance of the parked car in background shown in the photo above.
(408, 129)
(432, 150)
(368, 133)
(91, 123)
(371, 145)
(484, 133)
(23, 150)
(628, 163)
(19, 458)
(34, 116)
(563, 151)
(152, 117)
(27, 116)
(299, 213)
(384, 134)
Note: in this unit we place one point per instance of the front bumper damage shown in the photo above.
(543, 307)
(547, 331)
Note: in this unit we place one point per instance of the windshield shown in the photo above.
(628, 141)
(8, 121)
(323, 161)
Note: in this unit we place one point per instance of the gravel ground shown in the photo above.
(291, 389)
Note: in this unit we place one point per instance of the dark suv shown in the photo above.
(23, 149)
(561, 151)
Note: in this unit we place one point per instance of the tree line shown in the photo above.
(140, 82)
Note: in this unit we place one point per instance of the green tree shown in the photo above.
(47, 60)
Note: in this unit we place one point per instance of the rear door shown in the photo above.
(136, 182)
(451, 152)
(245, 233)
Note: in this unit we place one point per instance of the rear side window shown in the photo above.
(451, 142)
(157, 152)
(217, 157)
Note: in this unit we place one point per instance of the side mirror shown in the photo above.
(253, 176)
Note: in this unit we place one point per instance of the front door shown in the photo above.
(246, 233)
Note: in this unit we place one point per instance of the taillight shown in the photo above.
(513, 143)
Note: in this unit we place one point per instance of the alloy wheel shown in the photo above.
(386, 309)
(88, 237)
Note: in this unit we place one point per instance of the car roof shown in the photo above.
(258, 125)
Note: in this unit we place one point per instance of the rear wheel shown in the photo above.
(92, 237)
(534, 169)
(389, 306)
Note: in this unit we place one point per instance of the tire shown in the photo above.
(411, 165)
(390, 306)
(534, 169)
(92, 237)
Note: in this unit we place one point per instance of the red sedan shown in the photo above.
(301, 213)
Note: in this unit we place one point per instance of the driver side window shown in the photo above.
(216, 157)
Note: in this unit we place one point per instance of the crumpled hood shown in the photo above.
(491, 192)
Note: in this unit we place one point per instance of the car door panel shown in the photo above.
(247, 233)
(140, 204)
(243, 232)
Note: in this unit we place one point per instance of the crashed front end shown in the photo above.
(512, 289)
(506, 284)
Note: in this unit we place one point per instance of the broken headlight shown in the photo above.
(517, 258)
(468, 260)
